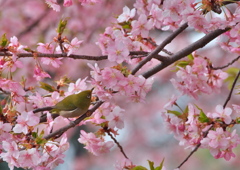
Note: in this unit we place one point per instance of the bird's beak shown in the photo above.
(92, 89)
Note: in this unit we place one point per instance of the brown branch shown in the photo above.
(73, 56)
(42, 109)
(222, 67)
(115, 141)
(196, 148)
(159, 48)
(231, 91)
(186, 51)
(60, 131)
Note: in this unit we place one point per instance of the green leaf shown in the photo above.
(1, 112)
(139, 168)
(202, 116)
(183, 63)
(176, 113)
(47, 87)
(151, 165)
(34, 134)
(62, 25)
(238, 120)
(40, 141)
(190, 57)
(160, 166)
(4, 41)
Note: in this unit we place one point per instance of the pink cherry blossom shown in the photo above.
(24, 121)
(15, 47)
(11, 155)
(156, 14)
(123, 164)
(53, 4)
(117, 52)
(89, 2)
(94, 144)
(45, 48)
(171, 102)
(142, 26)
(115, 118)
(127, 14)
(55, 62)
(224, 113)
(29, 158)
(39, 74)
(67, 3)
(14, 87)
(80, 85)
(73, 46)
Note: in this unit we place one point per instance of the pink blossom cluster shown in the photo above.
(231, 39)
(11, 63)
(109, 114)
(94, 144)
(109, 80)
(221, 143)
(55, 5)
(21, 154)
(22, 146)
(191, 127)
(197, 78)
(129, 32)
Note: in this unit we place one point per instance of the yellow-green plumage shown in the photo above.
(73, 105)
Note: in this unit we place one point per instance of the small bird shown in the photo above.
(73, 105)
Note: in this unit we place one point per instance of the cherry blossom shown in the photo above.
(94, 144)
(116, 118)
(142, 26)
(24, 121)
(39, 73)
(127, 14)
(73, 46)
(117, 52)
(224, 113)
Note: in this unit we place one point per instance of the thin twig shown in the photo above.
(73, 56)
(159, 48)
(42, 109)
(222, 67)
(74, 123)
(195, 149)
(231, 91)
(115, 141)
(186, 51)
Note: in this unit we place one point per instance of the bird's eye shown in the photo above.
(88, 96)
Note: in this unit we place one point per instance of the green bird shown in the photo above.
(73, 105)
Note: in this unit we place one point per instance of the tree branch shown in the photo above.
(195, 149)
(231, 91)
(115, 141)
(222, 67)
(186, 51)
(60, 131)
(159, 48)
(73, 56)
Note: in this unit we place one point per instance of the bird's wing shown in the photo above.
(65, 105)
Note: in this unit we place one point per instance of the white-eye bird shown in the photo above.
(73, 105)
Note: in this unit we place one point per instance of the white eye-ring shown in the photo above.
(88, 96)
